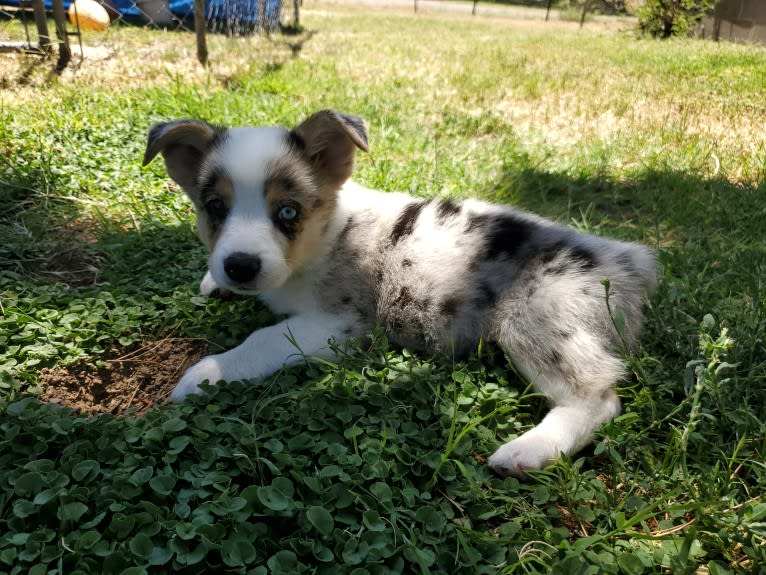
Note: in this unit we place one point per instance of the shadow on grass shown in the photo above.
(709, 238)
(82, 253)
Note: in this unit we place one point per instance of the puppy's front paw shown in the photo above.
(207, 369)
(209, 287)
(526, 453)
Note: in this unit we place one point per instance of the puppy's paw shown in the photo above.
(207, 369)
(209, 287)
(529, 452)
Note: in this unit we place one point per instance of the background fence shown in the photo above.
(739, 20)
(51, 26)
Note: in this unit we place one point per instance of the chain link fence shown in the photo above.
(47, 26)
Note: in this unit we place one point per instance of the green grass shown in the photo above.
(376, 465)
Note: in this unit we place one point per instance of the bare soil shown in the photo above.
(138, 380)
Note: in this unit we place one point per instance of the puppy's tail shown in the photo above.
(642, 264)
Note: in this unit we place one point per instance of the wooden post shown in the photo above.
(416, 6)
(548, 10)
(584, 12)
(200, 28)
(59, 18)
(262, 15)
(473, 10)
(43, 36)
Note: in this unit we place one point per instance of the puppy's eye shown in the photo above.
(216, 209)
(287, 213)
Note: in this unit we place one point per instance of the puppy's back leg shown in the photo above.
(578, 410)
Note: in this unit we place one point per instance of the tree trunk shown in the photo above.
(585, 8)
(200, 28)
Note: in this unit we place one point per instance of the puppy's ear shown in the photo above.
(330, 140)
(183, 144)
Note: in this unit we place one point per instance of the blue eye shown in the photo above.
(287, 213)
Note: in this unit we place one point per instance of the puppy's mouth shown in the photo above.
(243, 290)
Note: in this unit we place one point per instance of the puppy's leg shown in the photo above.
(208, 285)
(267, 350)
(581, 389)
(566, 428)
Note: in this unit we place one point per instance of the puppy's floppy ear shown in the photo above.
(183, 144)
(330, 140)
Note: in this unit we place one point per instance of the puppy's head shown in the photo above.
(263, 196)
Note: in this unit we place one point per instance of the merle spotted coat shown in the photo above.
(283, 222)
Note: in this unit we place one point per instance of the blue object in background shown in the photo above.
(231, 16)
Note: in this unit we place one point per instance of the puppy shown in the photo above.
(282, 221)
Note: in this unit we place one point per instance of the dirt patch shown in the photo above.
(138, 380)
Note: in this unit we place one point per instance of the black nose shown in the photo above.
(242, 267)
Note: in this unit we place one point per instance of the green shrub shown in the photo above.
(665, 18)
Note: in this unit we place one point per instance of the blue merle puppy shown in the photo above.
(283, 221)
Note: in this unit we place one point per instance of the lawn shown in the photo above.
(376, 464)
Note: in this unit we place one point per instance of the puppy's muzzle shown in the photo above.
(242, 268)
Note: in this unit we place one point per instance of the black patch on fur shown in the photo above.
(549, 253)
(487, 296)
(577, 256)
(346, 299)
(507, 235)
(476, 222)
(405, 297)
(220, 134)
(406, 221)
(295, 142)
(449, 306)
(446, 209)
(584, 257)
(625, 259)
